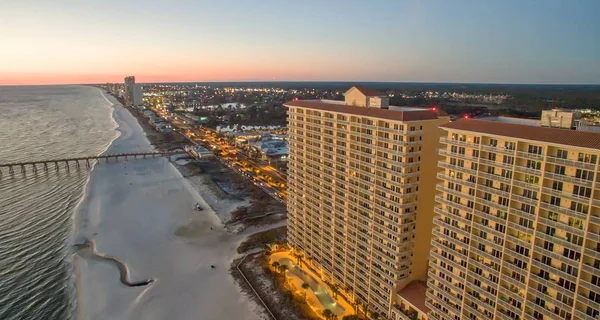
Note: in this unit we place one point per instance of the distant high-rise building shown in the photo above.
(362, 180)
(137, 94)
(517, 231)
(129, 90)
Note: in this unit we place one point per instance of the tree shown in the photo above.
(275, 265)
(365, 308)
(283, 268)
(335, 289)
(327, 314)
(305, 286)
(300, 259)
(350, 317)
(375, 315)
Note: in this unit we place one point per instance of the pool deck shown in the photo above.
(311, 298)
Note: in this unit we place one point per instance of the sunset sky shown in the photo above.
(509, 41)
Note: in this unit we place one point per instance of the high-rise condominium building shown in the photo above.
(137, 95)
(517, 231)
(129, 90)
(360, 200)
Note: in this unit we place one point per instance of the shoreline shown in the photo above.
(143, 216)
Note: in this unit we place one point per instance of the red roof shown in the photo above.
(425, 114)
(369, 92)
(583, 139)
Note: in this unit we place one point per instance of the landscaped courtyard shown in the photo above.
(304, 282)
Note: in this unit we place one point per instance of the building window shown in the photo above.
(587, 158)
(535, 149)
(562, 154)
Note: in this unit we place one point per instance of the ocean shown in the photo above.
(37, 211)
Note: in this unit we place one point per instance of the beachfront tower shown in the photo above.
(362, 180)
(129, 90)
(517, 231)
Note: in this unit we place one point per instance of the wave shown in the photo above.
(76, 213)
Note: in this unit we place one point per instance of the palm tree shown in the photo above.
(335, 289)
(275, 265)
(365, 308)
(295, 255)
(283, 268)
(300, 259)
(327, 314)
(305, 286)
(375, 315)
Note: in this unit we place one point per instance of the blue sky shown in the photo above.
(509, 41)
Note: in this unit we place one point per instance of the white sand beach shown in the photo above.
(142, 213)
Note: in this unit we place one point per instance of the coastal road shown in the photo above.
(263, 175)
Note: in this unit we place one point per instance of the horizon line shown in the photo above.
(313, 81)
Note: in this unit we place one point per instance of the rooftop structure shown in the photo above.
(360, 203)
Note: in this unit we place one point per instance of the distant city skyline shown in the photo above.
(463, 41)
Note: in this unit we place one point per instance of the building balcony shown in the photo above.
(517, 241)
(494, 217)
(582, 315)
(443, 176)
(561, 226)
(492, 204)
(531, 201)
(527, 155)
(484, 293)
(527, 170)
(438, 209)
(433, 275)
(487, 242)
(563, 210)
(440, 222)
(595, 219)
(499, 149)
(494, 191)
(450, 141)
(494, 163)
(572, 163)
(451, 297)
(495, 177)
(551, 284)
(456, 242)
(506, 281)
(470, 308)
(443, 164)
(442, 188)
(525, 185)
(563, 194)
(595, 254)
(540, 251)
(452, 204)
(568, 179)
(551, 269)
(522, 214)
(438, 257)
(446, 153)
(488, 267)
